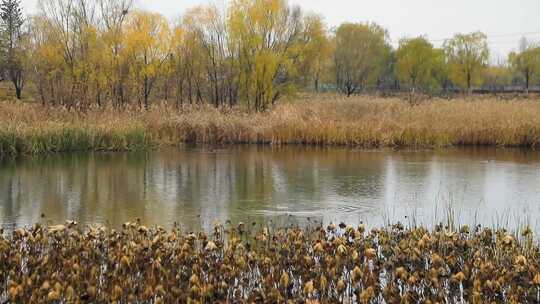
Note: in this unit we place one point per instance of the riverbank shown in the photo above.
(316, 120)
(253, 263)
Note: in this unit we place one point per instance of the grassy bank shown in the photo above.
(322, 120)
(255, 264)
(32, 129)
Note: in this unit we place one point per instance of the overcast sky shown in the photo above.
(503, 20)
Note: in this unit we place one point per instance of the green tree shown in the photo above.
(387, 77)
(496, 77)
(416, 62)
(441, 70)
(357, 57)
(12, 22)
(468, 56)
(526, 63)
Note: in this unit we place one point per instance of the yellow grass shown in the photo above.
(316, 119)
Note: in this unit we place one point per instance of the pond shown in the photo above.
(294, 185)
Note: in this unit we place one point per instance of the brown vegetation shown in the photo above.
(252, 264)
(318, 120)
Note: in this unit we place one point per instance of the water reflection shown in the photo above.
(196, 186)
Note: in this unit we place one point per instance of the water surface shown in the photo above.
(196, 186)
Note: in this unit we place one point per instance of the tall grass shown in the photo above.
(320, 120)
(30, 129)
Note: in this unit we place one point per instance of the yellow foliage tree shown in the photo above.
(265, 36)
(113, 15)
(46, 61)
(147, 43)
(317, 51)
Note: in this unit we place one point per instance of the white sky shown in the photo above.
(503, 20)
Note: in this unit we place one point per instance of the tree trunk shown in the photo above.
(18, 92)
(41, 91)
(16, 78)
(350, 89)
(469, 87)
(146, 93)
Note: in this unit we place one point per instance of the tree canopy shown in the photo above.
(468, 55)
(526, 63)
(416, 62)
(358, 55)
(250, 53)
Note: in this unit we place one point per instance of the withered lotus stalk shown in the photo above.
(137, 264)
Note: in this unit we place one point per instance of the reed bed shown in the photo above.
(32, 129)
(259, 264)
(316, 120)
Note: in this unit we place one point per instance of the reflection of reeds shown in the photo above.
(247, 264)
(322, 120)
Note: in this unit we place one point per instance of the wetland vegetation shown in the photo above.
(105, 75)
(252, 263)
(362, 121)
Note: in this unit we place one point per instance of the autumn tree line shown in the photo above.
(81, 53)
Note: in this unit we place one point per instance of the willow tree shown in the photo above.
(468, 56)
(178, 63)
(441, 70)
(265, 36)
(416, 62)
(74, 29)
(113, 15)
(188, 60)
(147, 43)
(357, 57)
(46, 65)
(206, 30)
(496, 77)
(316, 53)
(526, 63)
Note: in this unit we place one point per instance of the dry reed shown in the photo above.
(318, 120)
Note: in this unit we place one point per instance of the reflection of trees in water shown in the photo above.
(82, 186)
(247, 184)
(10, 189)
(331, 184)
(358, 174)
(156, 187)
